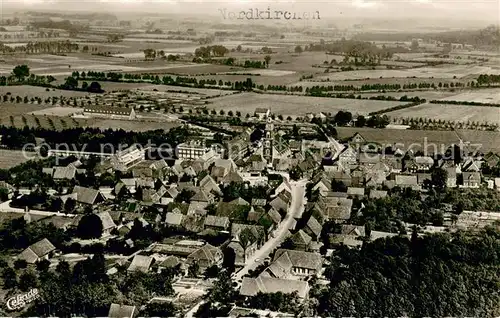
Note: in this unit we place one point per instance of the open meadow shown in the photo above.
(296, 105)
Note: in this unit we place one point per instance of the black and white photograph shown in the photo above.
(250, 158)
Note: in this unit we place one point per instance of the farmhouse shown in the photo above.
(110, 111)
(87, 195)
(36, 252)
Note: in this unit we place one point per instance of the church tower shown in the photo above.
(268, 141)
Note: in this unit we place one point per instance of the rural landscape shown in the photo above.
(198, 164)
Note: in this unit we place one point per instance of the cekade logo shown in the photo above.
(19, 301)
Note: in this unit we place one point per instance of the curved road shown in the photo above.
(296, 209)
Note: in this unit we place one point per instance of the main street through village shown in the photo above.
(296, 209)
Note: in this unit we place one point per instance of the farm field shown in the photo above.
(11, 158)
(60, 123)
(296, 105)
(326, 81)
(57, 111)
(34, 91)
(129, 125)
(428, 95)
(15, 109)
(458, 113)
(488, 140)
(447, 71)
(199, 92)
(479, 96)
(425, 139)
(266, 72)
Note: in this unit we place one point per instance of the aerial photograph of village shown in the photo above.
(244, 158)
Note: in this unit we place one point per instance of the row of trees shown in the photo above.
(50, 47)
(359, 53)
(166, 80)
(91, 138)
(468, 103)
(485, 79)
(211, 51)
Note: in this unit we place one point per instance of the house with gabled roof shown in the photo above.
(173, 219)
(206, 256)
(284, 186)
(418, 164)
(301, 240)
(209, 185)
(348, 156)
(292, 264)
(202, 196)
(337, 209)
(122, 311)
(377, 194)
(232, 177)
(349, 229)
(471, 180)
(274, 215)
(36, 252)
(141, 263)
(357, 138)
(239, 201)
(281, 202)
(262, 113)
(107, 223)
(87, 195)
(218, 223)
(406, 181)
(313, 228)
(356, 192)
(263, 284)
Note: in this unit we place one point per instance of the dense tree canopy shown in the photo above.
(435, 276)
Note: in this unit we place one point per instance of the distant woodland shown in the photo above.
(487, 37)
